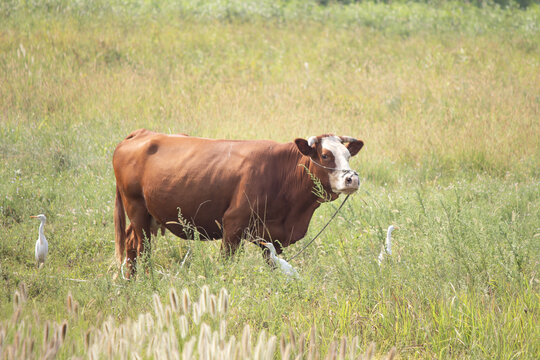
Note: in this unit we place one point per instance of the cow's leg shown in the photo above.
(231, 241)
(140, 223)
(131, 250)
(233, 229)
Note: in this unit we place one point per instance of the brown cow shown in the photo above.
(226, 189)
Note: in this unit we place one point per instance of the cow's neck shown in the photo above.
(302, 189)
(299, 194)
(310, 179)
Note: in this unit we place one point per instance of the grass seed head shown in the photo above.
(87, 339)
(141, 319)
(50, 354)
(9, 352)
(149, 322)
(370, 351)
(260, 346)
(196, 316)
(222, 329)
(270, 348)
(35, 316)
(313, 338)
(69, 303)
(246, 341)
(21, 325)
(204, 299)
(257, 352)
(215, 343)
(168, 316)
(301, 344)
(213, 306)
(173, 297)
(151, 346)
(313, 353)
(30, 345)
(110, 350)
(93, 354)
(204, 343)
(391, 354)
(292, 337)
(23, 290)
(53, 342)
(231, 348)
(16, 316)
(183, 325)
(75, 309)
(46, 332)
(352, 347)
(282, 344)
(287, 352)
(158, 306)
(187, 352)
(106, 327)
(223, 301)
(342, 348)
(186, 301)
(332, 351)
(16, 339)
(99, 317)
(17, 300)
(63, 330)
(22, 353)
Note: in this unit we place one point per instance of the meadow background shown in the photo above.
(445, 95)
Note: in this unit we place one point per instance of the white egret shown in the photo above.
(283, 265)
(387, 246)
(42, 247)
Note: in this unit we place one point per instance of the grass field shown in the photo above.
(446, 98)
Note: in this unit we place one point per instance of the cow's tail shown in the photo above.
(119, 226)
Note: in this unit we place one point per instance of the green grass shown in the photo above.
(445, 97)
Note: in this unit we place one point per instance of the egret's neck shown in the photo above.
(273, 255)
(41, 233)
(389, 241)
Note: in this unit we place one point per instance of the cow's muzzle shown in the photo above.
(351, 181)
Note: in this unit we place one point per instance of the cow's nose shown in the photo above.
(351, 178)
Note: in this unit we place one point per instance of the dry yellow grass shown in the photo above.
(462, 100)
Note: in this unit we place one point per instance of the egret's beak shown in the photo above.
(32, 216)
(263, 243)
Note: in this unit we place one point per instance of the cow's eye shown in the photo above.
(324, 156)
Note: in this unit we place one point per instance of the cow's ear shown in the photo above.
(305, 149)
(355, 146)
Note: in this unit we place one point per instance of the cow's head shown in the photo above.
(330, 155)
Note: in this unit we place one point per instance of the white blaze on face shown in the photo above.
(340, 181)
